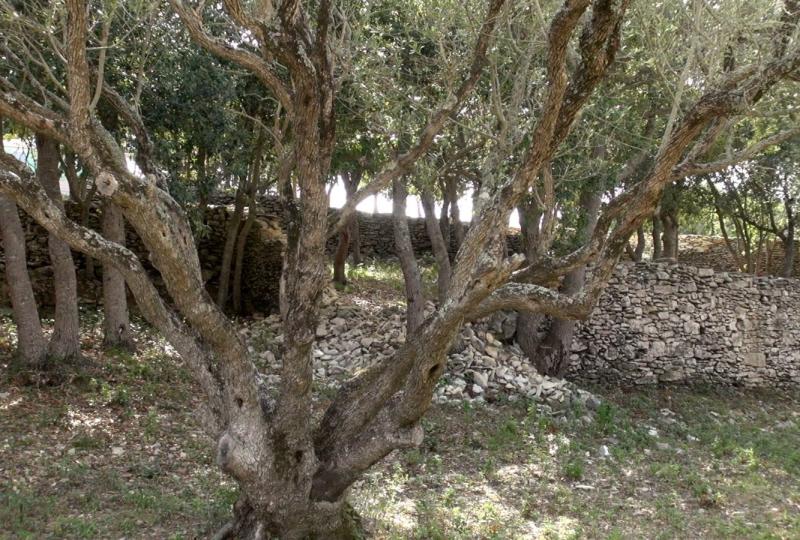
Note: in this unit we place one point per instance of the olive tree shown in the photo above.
(293, 465)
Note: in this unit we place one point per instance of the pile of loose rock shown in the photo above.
(355, 335)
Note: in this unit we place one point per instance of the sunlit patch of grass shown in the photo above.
(388, 272)
(502, 470)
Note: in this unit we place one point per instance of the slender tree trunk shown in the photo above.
(669, 234)
(351, 181)
(636, 253)
(789, 253)
(340, 258)
(241, 244)
(438, 246)
(456, 227)
(65, 340)
(444, 215)
(415, 302)
(355, 241)
(116, 323)
(552, 357)
(789, 246)
(232, 232)
(658, 250)
(31, 345)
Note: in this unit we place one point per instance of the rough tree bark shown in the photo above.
(294, 473)
(669, 233)
(116, 321)
(528, 322)
(553, 351)
(438, 246)
(65, 340)
(31, 344)
(81, 191)
(537, 221)
(403, 248)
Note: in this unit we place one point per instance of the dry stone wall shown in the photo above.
(261, 270)
(656, 322)
(712, 252)
(376, 232)
(676, 323)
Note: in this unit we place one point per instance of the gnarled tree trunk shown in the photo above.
(65, 340)
(658, 247)
(636, 253)
(669, 234)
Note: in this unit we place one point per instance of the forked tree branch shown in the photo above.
(259, 66)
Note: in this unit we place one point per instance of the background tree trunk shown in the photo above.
(553, 352)
(658, 250)
(241, 244)
(415, 302)
(340, 258)
(438, 246)
(65, 340)
(636, 253)
(31, 344)
(789, 247)
(669, 233)
(527, 331)
(232, 232)
(349, 234)
(444, 215)
(456, 227)
(116, 323)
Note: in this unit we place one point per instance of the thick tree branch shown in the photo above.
(697, 169)
(20, 184)
(248, 60)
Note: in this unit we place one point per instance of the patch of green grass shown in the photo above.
(74, 527)
(20, 510)
(390, 273)
(574, 469)
(508, 434)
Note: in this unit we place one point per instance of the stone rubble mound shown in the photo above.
(482, 367)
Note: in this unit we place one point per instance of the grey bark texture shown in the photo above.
(438, 245)
(415, 302)
(65, 340)
(31, 344)
(116, 321)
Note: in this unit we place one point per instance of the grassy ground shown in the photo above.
(113, 452)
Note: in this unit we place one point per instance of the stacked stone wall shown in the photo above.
(676, 323)
(655, 322)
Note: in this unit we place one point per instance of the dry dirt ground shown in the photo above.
(111, 450)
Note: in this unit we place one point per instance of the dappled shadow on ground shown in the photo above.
(116, 453)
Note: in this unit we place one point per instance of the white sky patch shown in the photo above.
(377, 204)
(382, 204)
